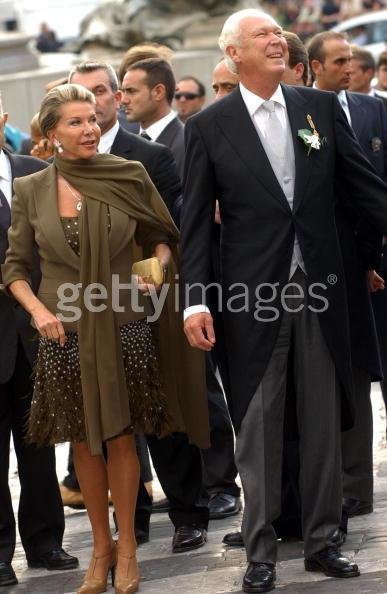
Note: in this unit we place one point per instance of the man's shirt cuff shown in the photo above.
(194, 309)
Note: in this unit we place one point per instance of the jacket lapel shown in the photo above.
(240, 131)
(358, 115)
(121, 144)
(46, 201)
(297, 108)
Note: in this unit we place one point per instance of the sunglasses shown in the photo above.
(187, 96)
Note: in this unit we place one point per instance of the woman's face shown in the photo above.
(77, 130)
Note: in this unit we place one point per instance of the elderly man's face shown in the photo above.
(262, 48)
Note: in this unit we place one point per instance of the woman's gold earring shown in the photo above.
(57, 145)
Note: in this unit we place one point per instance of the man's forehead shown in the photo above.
(336, 47)
(134, 77)
(93, 78)
(250, 24)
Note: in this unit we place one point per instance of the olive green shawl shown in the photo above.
(108, 181)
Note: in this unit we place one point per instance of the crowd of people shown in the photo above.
(308, 17)
(204, 285)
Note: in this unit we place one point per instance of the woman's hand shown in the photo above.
(48, 325)
(146, 288)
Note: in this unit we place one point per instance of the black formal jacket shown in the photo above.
(226, 160)
(361, 243)
(159, 163)
(173, 137)
(14, 320)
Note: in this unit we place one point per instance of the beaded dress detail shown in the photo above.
(57, 413)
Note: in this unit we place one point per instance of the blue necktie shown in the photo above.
(5, 213)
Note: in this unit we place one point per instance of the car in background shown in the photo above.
(368, 30)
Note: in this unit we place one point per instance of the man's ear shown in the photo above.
(118, 98)
(5, 117)
(158, 92)
(299, 70)
(233, 53)
(316, 67)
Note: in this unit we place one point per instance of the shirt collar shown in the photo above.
(254, 102)
(154, 130)
(5, 167)
(342, 97)
(107, 139)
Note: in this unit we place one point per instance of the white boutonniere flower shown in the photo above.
(311, 138)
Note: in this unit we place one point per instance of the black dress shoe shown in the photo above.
(354, 507)
(187, 538)
(7, 574)
(55, 559)
(223, 505)
(233, 539)
(160, 507)
(339, 537)
(331, 562)
(259, 577)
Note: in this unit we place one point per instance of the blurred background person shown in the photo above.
(381, 74)
(190, 96)
(47, 41)
(223, 80)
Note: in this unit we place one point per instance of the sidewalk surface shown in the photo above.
(213, 568)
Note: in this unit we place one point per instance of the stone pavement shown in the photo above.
(213, 569)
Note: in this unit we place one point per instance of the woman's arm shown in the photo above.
(19, 263)
(46, 323)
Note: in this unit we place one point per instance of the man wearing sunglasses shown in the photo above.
(190, 97)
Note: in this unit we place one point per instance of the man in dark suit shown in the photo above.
(272, 155)
(41, 519)
(330, 58)
(177, 463)
(148, 89)
(363, 69)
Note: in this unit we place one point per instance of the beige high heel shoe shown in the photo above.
(95, 585)
(131, 581)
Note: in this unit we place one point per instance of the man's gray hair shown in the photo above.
(231, 31)
(87, 67)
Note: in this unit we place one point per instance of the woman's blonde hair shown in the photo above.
(49, 113)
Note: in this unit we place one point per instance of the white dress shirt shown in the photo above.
(259, 118)
(5, 176)
(343, 100)
(107, 139)
(154, 130)
(342, 97)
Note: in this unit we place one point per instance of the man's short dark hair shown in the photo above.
(366, 59)
(382, 61)
(157, 72)
(200, 85)
(297, 53)
(86, 67)
(316, 44)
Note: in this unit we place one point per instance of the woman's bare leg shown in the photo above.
(92, 476)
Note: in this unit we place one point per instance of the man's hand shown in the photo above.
(217, 213)
(374, 281)
(199, 330)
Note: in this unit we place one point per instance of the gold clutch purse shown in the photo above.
(150, 270)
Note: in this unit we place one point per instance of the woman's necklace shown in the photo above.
(78, 197)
